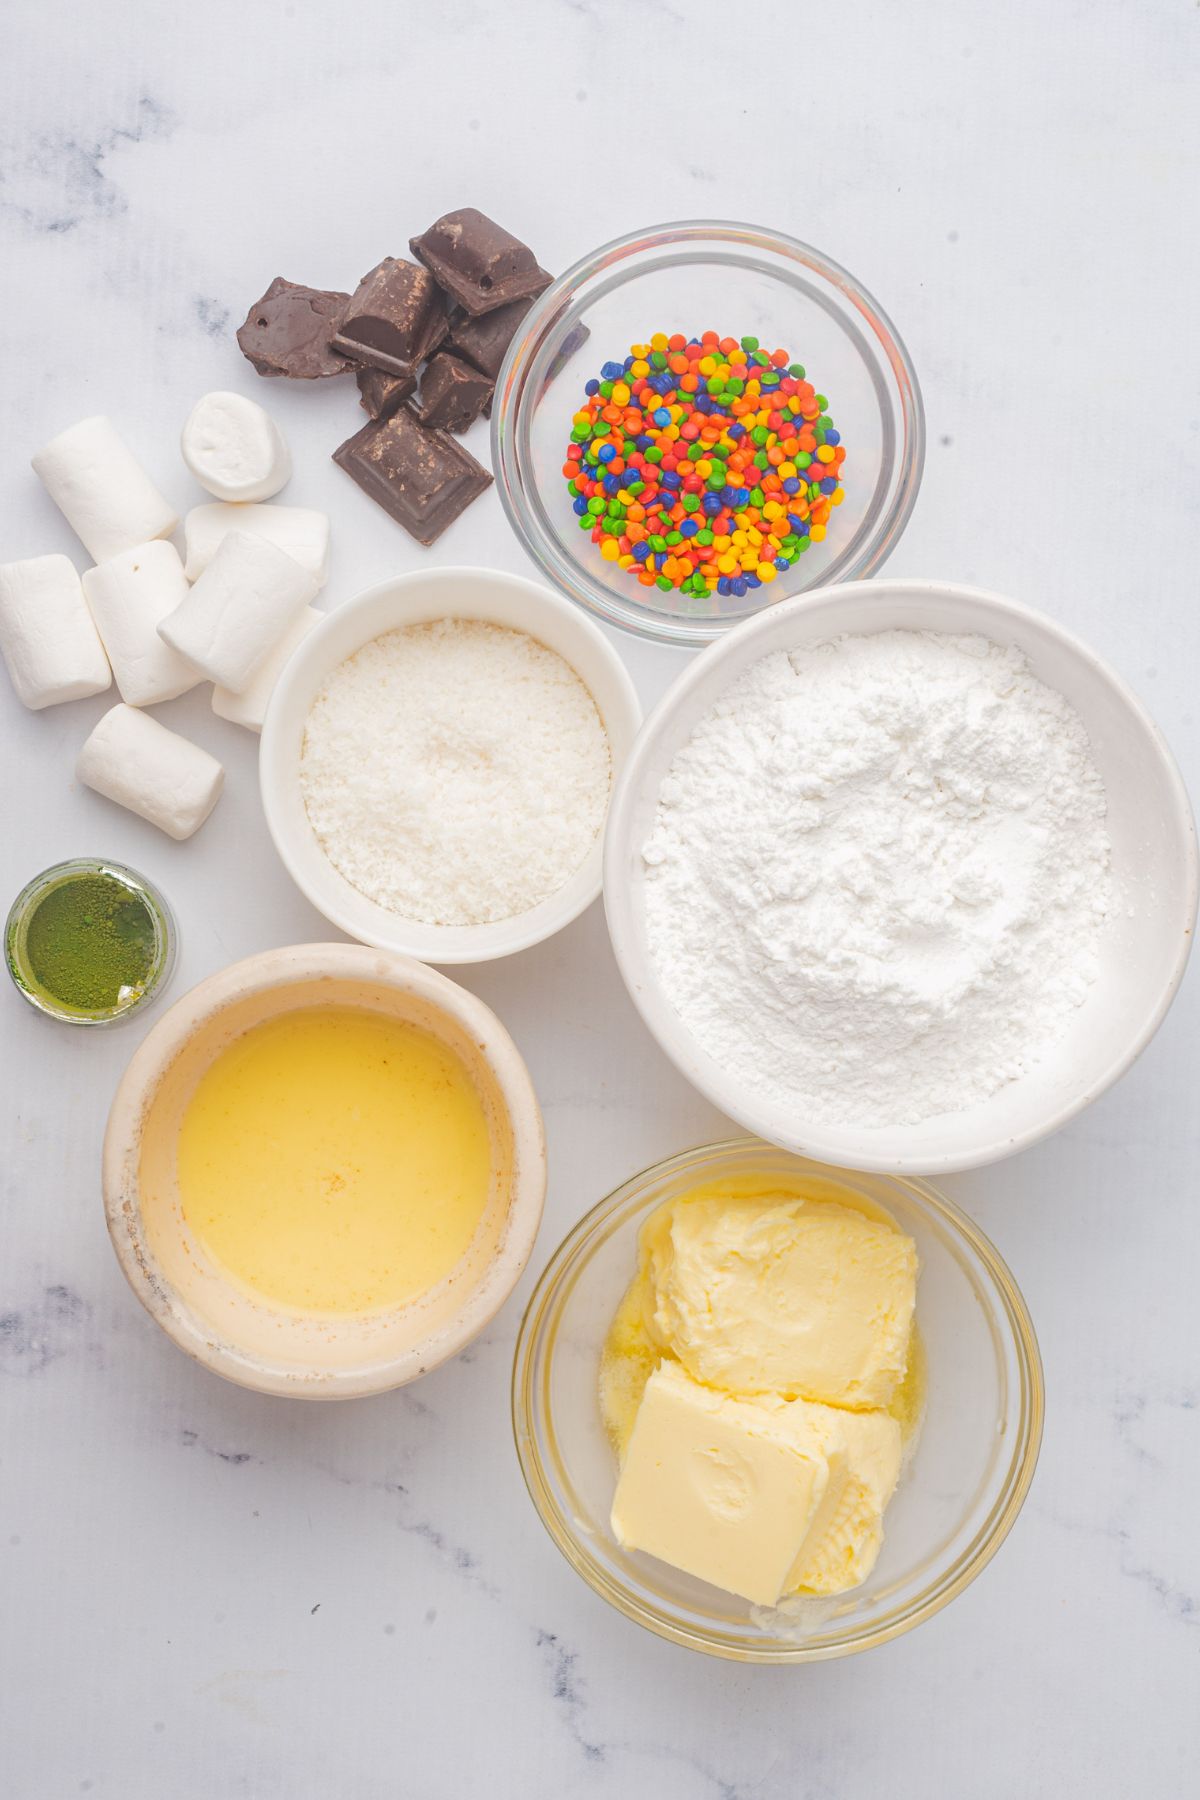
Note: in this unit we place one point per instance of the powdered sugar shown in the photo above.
(457, 773)
(878, 874)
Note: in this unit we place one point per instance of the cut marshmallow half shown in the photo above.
(234, 448)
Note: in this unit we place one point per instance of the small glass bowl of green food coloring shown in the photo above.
(90, 942)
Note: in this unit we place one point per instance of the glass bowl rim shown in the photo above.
(547, 555)
(573, 1251)
(166, 933)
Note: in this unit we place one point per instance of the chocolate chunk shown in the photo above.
(288, 331)
(395, 317)
(483, 341)
(382, 393)
(478, 262)
(422, 478)
(453, 394)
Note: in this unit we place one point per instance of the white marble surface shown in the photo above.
(205, 1592)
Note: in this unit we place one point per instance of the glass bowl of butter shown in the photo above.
(776, 1411)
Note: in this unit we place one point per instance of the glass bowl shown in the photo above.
(691, 277)
(958, 1497)
(16, 932)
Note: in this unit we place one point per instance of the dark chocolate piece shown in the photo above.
(478, 262)
(288, 331)
(453, 394)
(382, 393)
(422, 478)
(395, 317)
(483, 341)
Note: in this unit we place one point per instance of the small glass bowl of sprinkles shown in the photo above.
(727, 347)
(90, 942)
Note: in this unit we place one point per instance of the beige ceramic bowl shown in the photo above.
(243, 1337)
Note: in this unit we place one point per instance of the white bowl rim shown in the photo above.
(475, 943)
(259, 974)
(672, 1035)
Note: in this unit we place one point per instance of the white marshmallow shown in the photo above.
(234, 448)
(46, 633)
(132, 759)
(96, 481)
(302, 533)
(128, 595)
(248, 596)
(249, 708)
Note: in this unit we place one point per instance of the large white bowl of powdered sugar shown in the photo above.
(437, 762)
(901, 875)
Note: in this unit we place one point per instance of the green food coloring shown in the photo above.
(88, 941)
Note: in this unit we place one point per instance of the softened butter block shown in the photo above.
(843, 1554)
(787, 1295)
(726, 1491)
(629, 1359)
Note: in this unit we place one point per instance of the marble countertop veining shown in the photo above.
(208, 1592)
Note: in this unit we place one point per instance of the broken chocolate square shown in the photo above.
(453, 394)
(483, 341)
(422, 478)
(383, 393)
(289, 331)
(394, 318)
(478, 262)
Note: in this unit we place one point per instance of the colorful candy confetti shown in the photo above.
(703, 463)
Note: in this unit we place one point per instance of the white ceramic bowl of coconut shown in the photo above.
(437, 762)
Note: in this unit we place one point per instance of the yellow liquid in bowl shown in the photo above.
(335, 1160)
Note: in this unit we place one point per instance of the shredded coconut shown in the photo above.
(457, 773)
(878, 875)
